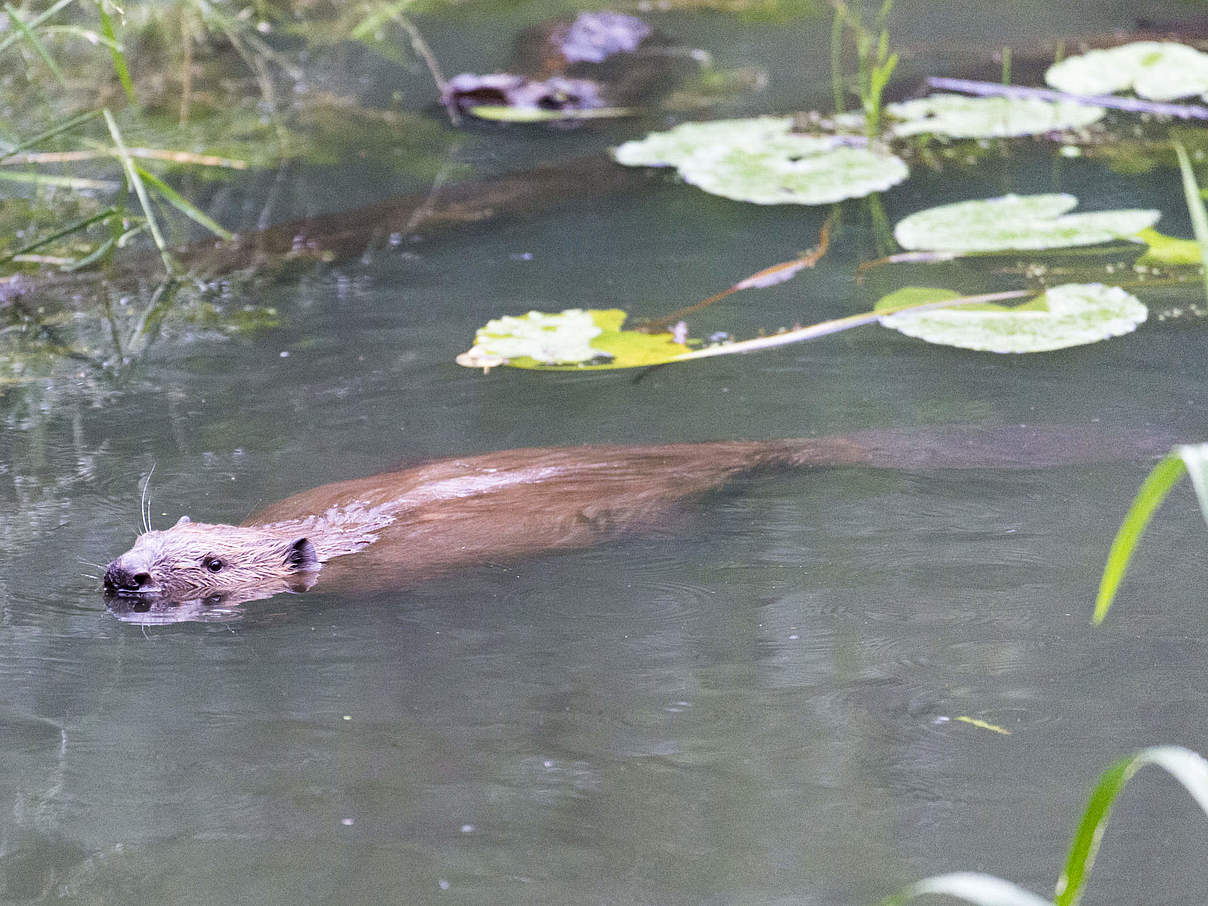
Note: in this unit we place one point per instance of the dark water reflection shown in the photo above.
(756, 705)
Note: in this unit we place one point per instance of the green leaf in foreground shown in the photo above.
(1157, 70)
(762, 161)
(973, 887)
(957, 116)
(1192, 459)
(571, 340)
(1186, 766)
(1017, 223)
(1072, 314)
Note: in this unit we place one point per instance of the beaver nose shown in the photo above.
(119, 579)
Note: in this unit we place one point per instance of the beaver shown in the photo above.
(409, 525)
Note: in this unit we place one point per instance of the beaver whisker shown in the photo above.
(145, 501)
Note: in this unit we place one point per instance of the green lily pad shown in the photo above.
(762, 161)
(957, 116)
(1157, 70)
(569, 340)
(1016, 223)
(1169, 251)
(1072, 314)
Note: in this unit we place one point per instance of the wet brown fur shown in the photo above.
(410, 524)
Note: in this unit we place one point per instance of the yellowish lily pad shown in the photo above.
(571, 340)
(1169, 251)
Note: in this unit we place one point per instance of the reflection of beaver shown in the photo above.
(408, 525)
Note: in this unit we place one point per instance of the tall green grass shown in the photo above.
(875, 62)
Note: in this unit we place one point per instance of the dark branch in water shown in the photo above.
(1134, 105)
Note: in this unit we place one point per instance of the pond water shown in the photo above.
(757, 703)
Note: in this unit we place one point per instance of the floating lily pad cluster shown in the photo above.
(1156, 70)
(762, 161)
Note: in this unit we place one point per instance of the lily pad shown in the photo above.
(957, 116)
(1157, 70)
(1169, 251)
(569, 340)
(760, 160)
(1072, 314)
(1016, 223)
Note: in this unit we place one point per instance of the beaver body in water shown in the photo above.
(408, 525)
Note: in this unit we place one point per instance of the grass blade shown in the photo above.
(1153, 491)
(973, 887)
(115, 49)
(50, 133)
(76, 183)
(59, 234)
(33, 23)
(181, 204)
(136, 183)
(37, 45)
(1186, 766)
(1195, 207)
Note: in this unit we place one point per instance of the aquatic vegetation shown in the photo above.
(1066, 315)
(1157, 70)
(1191, 460)
(957, 116)
(1016, 223)
(875, 62)
(761, 160)
(1187, 767)
(569, 339)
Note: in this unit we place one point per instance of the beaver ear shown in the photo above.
(301, 554)
(183, 520)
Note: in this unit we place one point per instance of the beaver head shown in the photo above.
(196, 561)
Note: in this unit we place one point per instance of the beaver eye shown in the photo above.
(213, 564)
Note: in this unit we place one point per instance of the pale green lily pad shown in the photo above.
(574, 339)
(1157, 70)
(762, 161)
(674, 146)
(957, 116)
(1072, 314)
(1016, 223)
